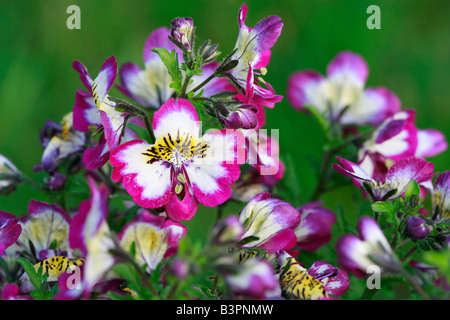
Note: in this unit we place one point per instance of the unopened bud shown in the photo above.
(240, 117)
(417, 229)
(183, 32)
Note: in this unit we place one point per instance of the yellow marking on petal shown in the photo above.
(296, 282)
(55, 266)
(176, 149)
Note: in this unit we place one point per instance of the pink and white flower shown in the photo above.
(357, 254)
(341, 96)
(253, 53)
(182, 168)
(441, 196)
(271, 221)
(154, 237)
(90, 234)
(255, 279)
(318, 282)
(396, 180)
(94, 108)
(314, 229)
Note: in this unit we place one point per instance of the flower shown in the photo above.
(10, 176)
(318, 282)
(356, 254)
(314, 229)
(396, 180)
(253, 53)
(269, 223)
(95, 109)
(90, 234)
(10, 230)
(341, 96)
(255, 279)
(155, 238)
(397, 138)
(46, 229)
(183, 31)
(417, 229)
(228, 230)
(181, 169)
(441, 196)
(11, 292)
(239, 117)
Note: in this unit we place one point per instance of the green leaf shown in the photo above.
(412, 189)
(170, 60)
(381, 206)
(35, 277)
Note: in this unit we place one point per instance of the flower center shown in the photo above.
(176, 149)
(296, 281)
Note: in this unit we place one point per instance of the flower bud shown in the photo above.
(240, 117)
(57, 181)
(183, 32)
(417, 228)
(208, 52)
(227, 230)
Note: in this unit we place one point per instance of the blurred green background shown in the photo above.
(409, 55)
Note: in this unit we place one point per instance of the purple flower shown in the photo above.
(396, 180)
(240, 117)
(341, 95)
(314, 229)
(11, 292)
(318, 282)
(10, 230)
(417, 229)
(253, 53)
(255, 279)
(228, 230)
(441, 196)
(183, 31)
(271, 222)
(57, 181)
(357, 254)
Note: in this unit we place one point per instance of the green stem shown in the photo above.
(409, 253)
(204, 82)
(324, 170)
(185, 85)
(416, 285)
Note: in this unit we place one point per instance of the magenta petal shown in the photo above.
(347, 62)
(97, 156)
(159, 38)
(181, 210)
(267, 32)
(430, 143)
(409, 169)
(338, 284)
(298, 85)
(279, 241)
(85, 112)
(387, 103)
(84, 75)
(345, 246)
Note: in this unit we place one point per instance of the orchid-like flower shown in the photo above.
(269, 223)
(357, 254)
(340, 96)
(314, 229)
(255, 279)
(397, 138)
(182, 168)
(10, 230)
(95, 109)
(441, 197)
(90, 234)
(396, 180)
(10, 176)
(45, 231)
(318, 282)
(253, 53)
(154, 238)
(63, 142)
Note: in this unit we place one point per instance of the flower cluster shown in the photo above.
(135, 160)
